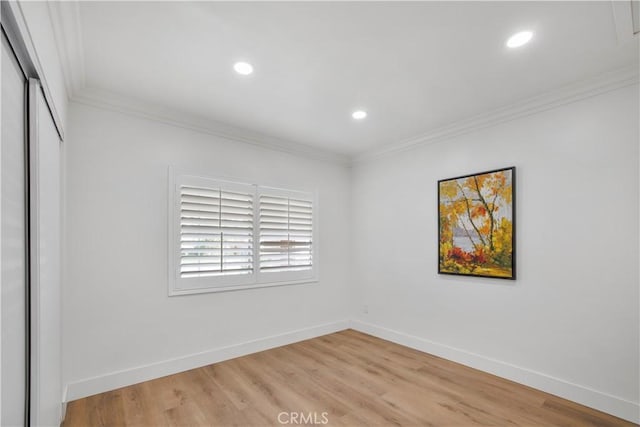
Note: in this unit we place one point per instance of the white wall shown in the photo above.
(572, 314)
(117, 313)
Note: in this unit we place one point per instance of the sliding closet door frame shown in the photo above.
(27, 223)
(15, 30)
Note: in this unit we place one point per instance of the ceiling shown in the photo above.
(414, 67)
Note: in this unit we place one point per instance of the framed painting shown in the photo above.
(476, 224)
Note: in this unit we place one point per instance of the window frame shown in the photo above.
(178, 285)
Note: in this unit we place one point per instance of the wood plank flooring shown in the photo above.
(343, 379)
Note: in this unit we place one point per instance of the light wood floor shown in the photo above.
(356, 379)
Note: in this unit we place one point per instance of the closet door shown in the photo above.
(13, 255)
(45, 239)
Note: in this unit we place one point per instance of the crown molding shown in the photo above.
(565, 95)
(67, 29)
(115, 102)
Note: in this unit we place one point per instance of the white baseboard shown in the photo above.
(584, 395)
(118, 379)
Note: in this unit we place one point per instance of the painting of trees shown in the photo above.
(476, 224)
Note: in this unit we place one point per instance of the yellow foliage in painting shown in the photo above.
(503, 237)
(445, 248)
(448, 189)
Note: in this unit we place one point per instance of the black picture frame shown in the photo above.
(485, 259)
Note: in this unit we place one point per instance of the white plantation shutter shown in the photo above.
(286, 233)
(216, 232)
(225, 234)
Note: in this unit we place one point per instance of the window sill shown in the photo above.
(178, 292)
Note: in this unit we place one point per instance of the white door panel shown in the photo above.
(46, 358)
(13, 232)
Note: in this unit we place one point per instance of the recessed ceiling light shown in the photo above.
(243, 68)
(519, 39)
(359, 115)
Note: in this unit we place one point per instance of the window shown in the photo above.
(227, 235)
(286, 234)
(216, 231)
